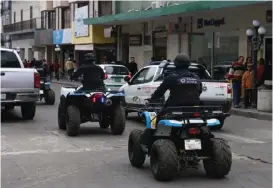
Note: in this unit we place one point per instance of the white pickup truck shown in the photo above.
(147, 79)
(19, 86)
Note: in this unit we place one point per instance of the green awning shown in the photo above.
(122, 18)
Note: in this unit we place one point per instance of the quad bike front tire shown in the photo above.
(73, 120)
(219, 165)
(61, 117)
(136, 154)
(50, 97)
(118, 121)
(164, 160)
(28, 110)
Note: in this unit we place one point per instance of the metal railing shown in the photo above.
(21, 26)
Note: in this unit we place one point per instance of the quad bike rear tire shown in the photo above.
(61, 117)
(219, 165)
(164, 160)
(118, 120)
(73, 120)
(104, 122)
(136, 154)
(50, 97)
(28, 110)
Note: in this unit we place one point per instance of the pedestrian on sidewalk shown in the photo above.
(247, 85)
(69, 67)
(235, 74)
(132, 66)
(56, 68)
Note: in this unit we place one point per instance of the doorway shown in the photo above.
(160, 45)
(125, 48)
(268, 58)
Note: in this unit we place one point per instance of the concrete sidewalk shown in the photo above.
(251, 113)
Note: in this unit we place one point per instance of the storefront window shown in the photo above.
(226, 48)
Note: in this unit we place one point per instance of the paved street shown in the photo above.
(36, 154)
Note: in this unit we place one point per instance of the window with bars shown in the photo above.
(105, 8)
(43, 20)
(66, 22)
(22, 15)
(14, 17)
(30, 12)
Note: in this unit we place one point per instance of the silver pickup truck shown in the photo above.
(19, 86)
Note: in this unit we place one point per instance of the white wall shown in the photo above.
(23, 44)
(17, 6)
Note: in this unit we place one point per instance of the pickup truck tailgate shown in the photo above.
(216, 91)
(17, 80)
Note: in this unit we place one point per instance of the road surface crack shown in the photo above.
(256, 159)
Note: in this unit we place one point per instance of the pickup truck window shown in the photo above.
(117, 70)
(199, 71)
(9, 60)
(145, 75)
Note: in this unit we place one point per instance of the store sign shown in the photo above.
(269, 16)
(161, 34)
(135, 40)
(210, 22)
(63, 36)
(43, 37)
(81, 30)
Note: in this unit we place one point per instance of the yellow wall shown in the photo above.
(96, 36)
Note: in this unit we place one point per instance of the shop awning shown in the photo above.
(123, 18)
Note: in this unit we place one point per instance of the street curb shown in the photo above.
(256, 115)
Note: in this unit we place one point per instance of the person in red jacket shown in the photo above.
(235, 74)
(56, 69)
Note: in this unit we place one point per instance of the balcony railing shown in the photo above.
(21, 26)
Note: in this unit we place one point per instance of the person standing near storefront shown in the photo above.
(132, 66)
(56, 69)
(235, 74)
(69, 67)
(247, 85)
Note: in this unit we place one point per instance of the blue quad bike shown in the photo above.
(178, 139)
(46, 92)
(78, 106)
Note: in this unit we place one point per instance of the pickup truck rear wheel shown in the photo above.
(50, 97)
(28, 110)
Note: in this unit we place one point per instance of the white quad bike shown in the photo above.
(78, 106)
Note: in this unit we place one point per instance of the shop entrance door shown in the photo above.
(160, 45)
(268, 58)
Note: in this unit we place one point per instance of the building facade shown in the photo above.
(208, 31)
(24, 19)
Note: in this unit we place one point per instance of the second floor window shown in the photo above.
(43, 20)
(52, 20)
(22, 15)
(105, 8)
(66, 22)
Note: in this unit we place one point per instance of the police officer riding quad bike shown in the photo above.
(45, 90)
(177, 135)
(90, 102)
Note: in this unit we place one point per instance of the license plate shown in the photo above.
(193, 144)
(41, 92)
(3, 96)
(117, 79)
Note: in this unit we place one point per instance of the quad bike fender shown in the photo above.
(150, 119)
(47, 85)
(65, 91)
